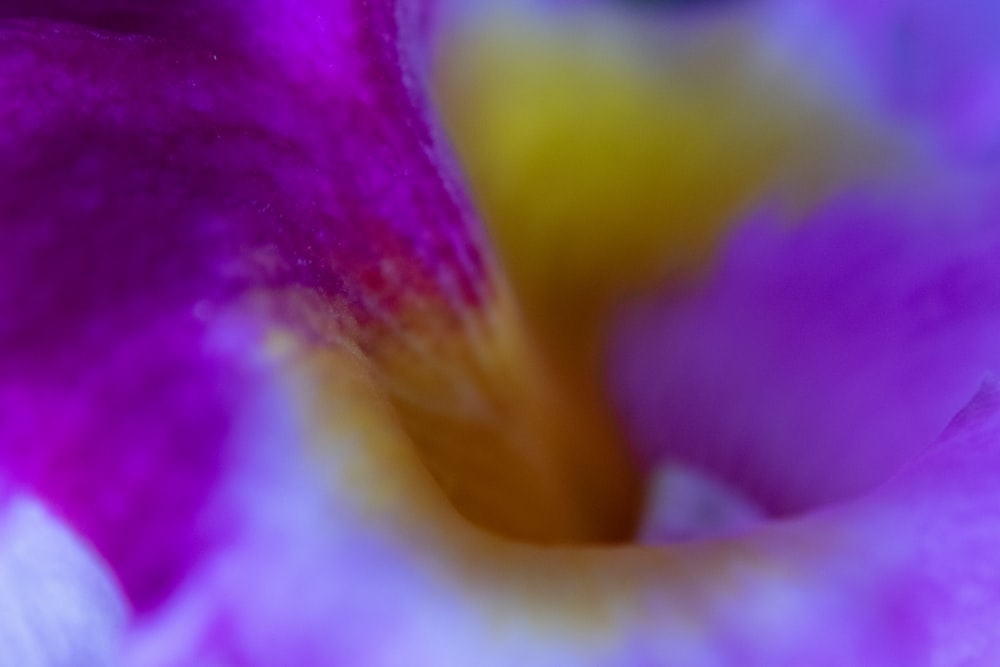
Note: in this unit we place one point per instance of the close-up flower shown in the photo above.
(538, 333)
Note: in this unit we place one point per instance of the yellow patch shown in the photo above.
(607, 155)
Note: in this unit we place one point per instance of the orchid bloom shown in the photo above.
(269, 395)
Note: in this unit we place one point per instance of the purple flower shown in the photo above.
(267, 397)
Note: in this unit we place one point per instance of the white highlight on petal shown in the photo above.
(685, 504)
(59, 605)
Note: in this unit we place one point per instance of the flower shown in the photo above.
(258, 357)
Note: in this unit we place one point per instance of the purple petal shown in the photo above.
(171, 166)
(815, 360)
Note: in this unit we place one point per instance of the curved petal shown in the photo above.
(901, 576)
(815, 360)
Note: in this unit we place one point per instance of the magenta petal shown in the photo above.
(165, 164)
(126, 447)
(815, 360)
